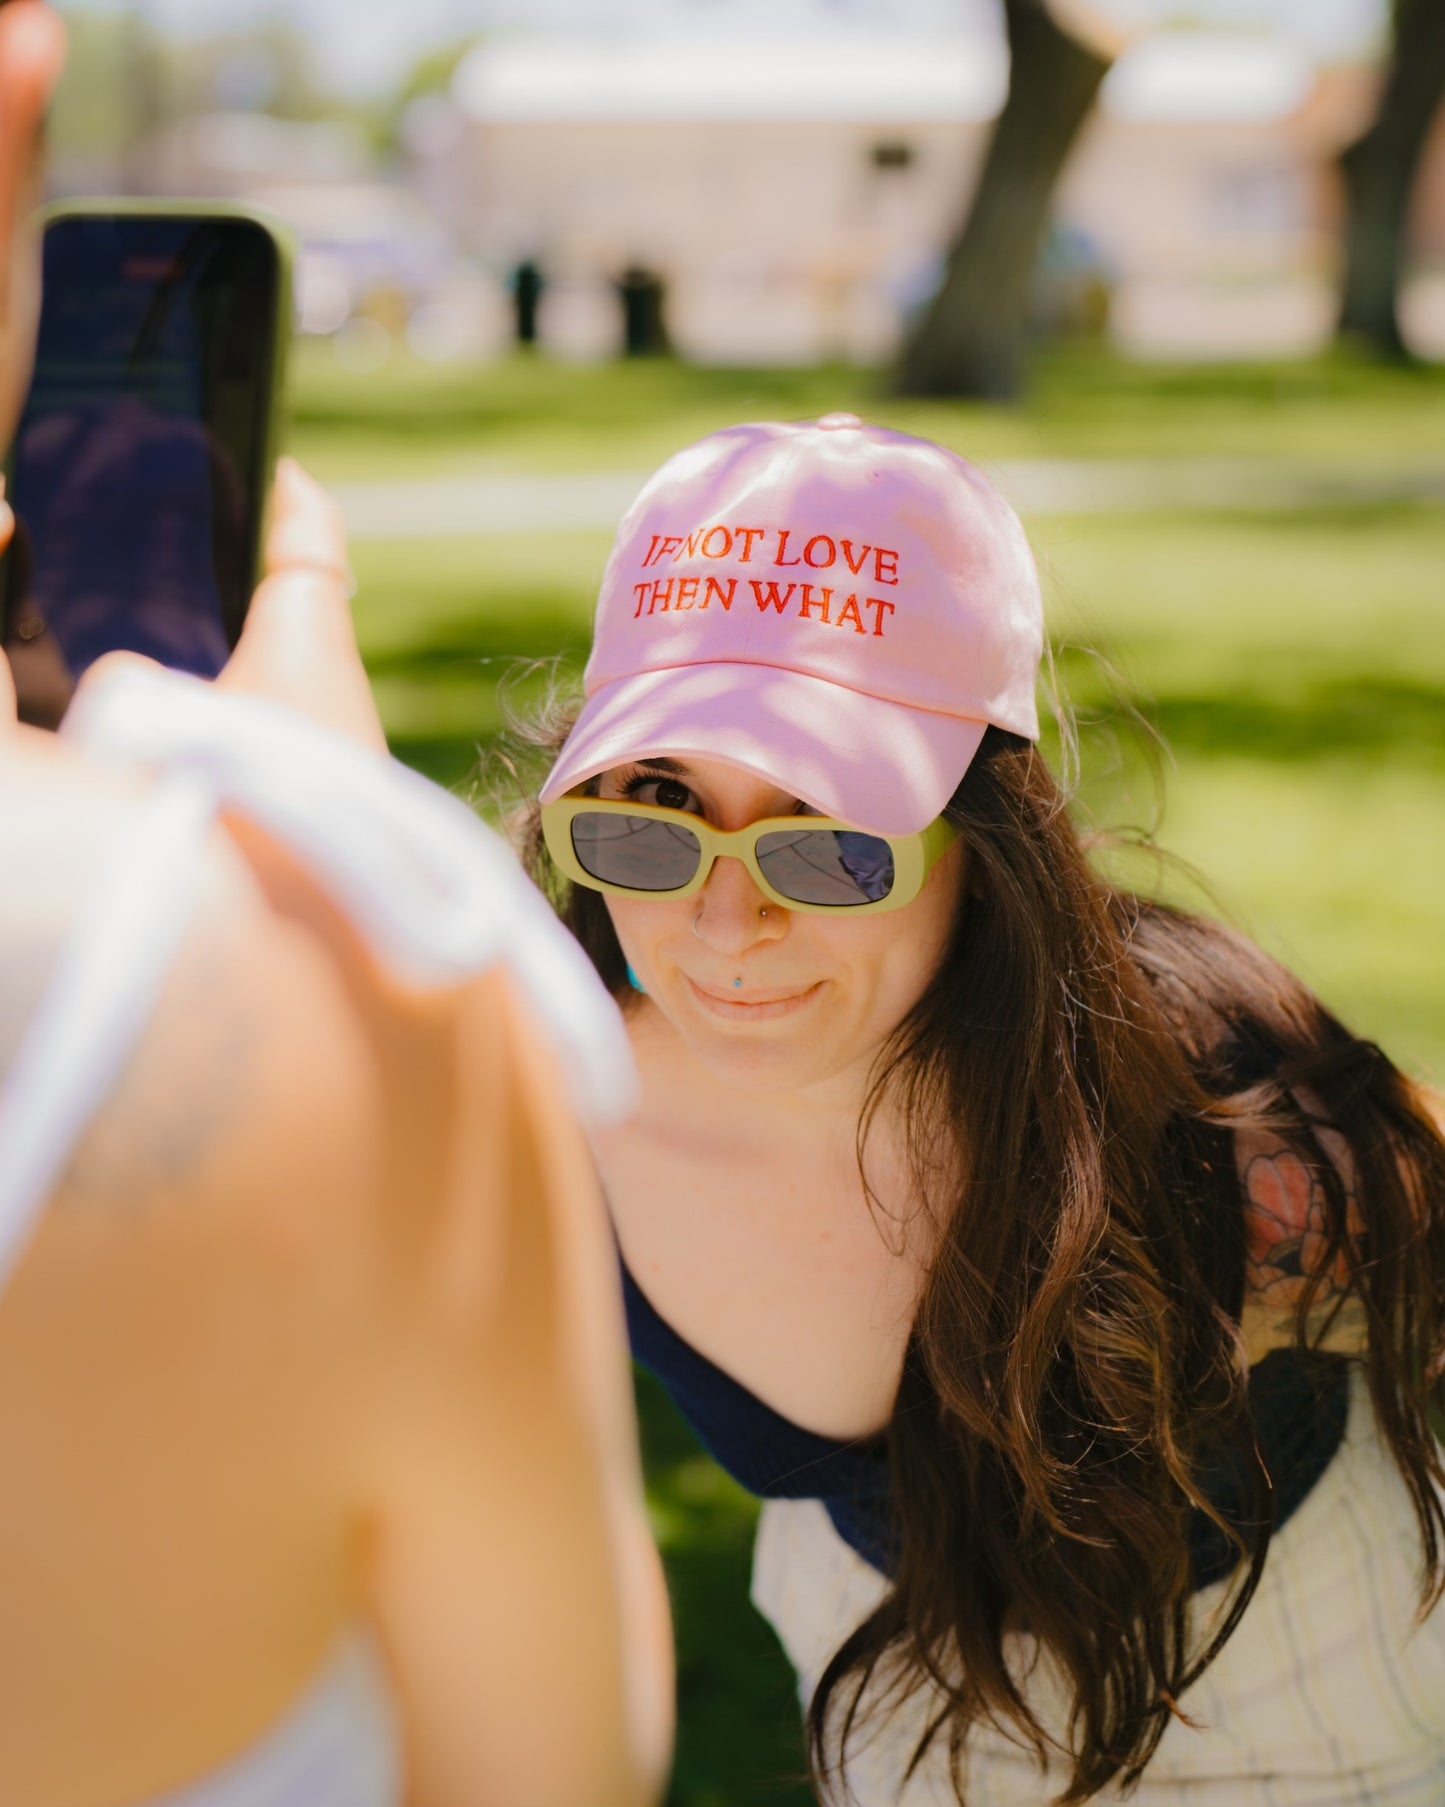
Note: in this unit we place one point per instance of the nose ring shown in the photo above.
(698, 918)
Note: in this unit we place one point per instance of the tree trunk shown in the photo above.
(1379, 173)
(971, 339)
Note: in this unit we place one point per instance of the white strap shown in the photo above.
(436, 895)
(101, 995)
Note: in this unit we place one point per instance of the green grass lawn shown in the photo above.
(1293, 663)
(526, 414)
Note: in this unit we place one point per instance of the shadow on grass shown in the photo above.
(526, 391)
(489, 638)
(525, 394)
(1379, 720)
(1269, 710)
(452, 761)
(1080, 400)
(1375, 719)
(1089, 377)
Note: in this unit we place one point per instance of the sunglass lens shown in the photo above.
(831, 866)
(637, 852)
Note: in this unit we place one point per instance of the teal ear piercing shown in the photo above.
(635, 982)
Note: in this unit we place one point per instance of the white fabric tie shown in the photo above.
(437, 896)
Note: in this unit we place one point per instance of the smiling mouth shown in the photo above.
(732, 1005)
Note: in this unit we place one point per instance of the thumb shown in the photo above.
(298, 645)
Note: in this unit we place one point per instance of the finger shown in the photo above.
(109, 665)
(307, 529)
(298, 645)
(32, 55)
(303, 606)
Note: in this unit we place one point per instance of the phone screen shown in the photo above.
(137, 478)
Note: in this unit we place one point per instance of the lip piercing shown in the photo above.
(737, 984)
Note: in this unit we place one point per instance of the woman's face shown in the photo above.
(819, 994)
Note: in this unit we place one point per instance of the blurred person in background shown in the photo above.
(1068, 1280)
(320, 1471)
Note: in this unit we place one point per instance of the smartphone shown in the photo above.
(141, 467)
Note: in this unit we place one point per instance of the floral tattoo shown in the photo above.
(1287, 1247)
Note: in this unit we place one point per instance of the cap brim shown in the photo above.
(876, 764)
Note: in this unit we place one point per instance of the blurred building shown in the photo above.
(795, 197)
(791, 196)
(369, 245)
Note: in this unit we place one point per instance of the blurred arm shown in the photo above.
(489, 1454)
(513, 1575)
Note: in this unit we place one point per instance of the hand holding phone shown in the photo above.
(142, 461)
(298, 644)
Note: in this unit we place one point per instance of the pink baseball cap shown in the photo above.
(840, 609)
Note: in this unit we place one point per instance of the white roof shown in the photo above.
(896, 78)
(685, 76)
(1204, 76)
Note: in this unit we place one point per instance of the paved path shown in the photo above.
(481, 504)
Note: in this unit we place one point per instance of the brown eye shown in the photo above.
(669, 794)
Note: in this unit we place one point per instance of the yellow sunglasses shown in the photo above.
(809, 863)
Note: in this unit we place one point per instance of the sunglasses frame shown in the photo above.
(914, 855)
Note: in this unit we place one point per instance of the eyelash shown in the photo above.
(637, 778)
(630, 783)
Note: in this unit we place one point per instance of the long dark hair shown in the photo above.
(1086, 1057)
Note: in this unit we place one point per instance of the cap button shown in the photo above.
(839, 420)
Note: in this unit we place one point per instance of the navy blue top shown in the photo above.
(1298, 1404)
